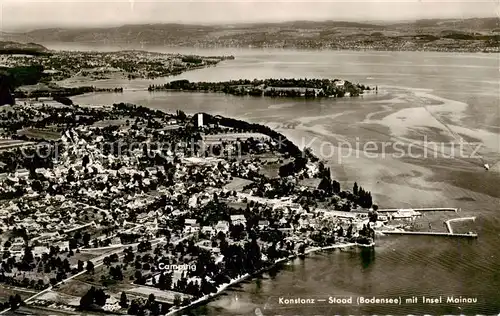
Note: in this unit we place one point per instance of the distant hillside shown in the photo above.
(11, 47)
(476, 24)
(477, 34)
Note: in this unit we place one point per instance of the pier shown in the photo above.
(424, 209)
(392, 232)
(448, 222)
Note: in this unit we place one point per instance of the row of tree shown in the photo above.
(362, 197)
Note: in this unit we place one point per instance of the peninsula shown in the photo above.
(67, 73)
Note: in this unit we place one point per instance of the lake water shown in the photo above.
(426, 99)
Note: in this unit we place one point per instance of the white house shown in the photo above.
(222, 226)
(263, 224)
(40, 250)
(191, 226)
(22, 173)
(339, 83)
(208, 230)
(238, 219)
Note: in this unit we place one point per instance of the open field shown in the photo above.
(237, 184)
(230, 137)
(106, 123)
(310, 182)
(40, 133)
(270, 171)
(74, 287)
(6, 291)
(61, 298)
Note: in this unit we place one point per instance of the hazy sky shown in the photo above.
(16, 14)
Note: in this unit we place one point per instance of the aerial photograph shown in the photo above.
(249, 157)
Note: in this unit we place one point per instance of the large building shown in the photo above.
(200, 119)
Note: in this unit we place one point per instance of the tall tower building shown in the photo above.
(200, 120)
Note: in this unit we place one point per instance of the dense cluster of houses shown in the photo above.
(130, 182)
(59, 65)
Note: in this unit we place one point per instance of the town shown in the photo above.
(61, 65)
(127, 209)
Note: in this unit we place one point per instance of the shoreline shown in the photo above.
(114, 47)
(224, 287)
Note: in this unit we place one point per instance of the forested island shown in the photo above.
(308, 88)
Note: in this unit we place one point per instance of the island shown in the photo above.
(308, 88)
(125, 209)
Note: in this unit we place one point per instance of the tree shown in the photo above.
(37, 186)
(86, 239)
(27, 259)
(355, 188)
(90, 267)
(100, 297)
(15, 301)
(123, 300)
(85, 160)
(87, 299)
(177, 300)
(151, 298)
(373, 216)
(181, 115)
(80, 265)
(66, 266)
(155, 308)
(134, 308)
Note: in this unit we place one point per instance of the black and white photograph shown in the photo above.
(249, 157)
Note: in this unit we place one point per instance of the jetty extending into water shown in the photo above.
(461, 219)
(395, 232)
(424, 209)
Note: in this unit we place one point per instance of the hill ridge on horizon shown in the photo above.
(472, 34)
(367, 23)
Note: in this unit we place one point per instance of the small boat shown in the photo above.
(486, 166)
